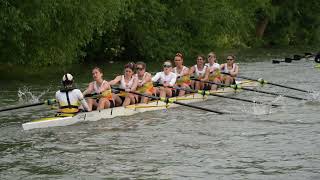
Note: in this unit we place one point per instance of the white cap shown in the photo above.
(67, 77)
(167, 63)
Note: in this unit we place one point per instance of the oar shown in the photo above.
(287, 60)
(317, 58)
(208, 93)
(46, 102)
(236, 86)
(168, 100)
(262, 81)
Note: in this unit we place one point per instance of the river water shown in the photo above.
(255, 143)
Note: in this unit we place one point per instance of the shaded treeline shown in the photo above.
(42, 32)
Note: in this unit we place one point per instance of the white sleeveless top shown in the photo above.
(197, 72)
(175, 70)
(226, 70)
(163, 78)
(143, 77)
(96, 88)
(213, 67)
(124, 85)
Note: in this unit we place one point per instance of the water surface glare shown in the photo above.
(257, 142)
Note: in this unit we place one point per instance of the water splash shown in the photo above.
(262, 109)
(314, 96)
(27, 96)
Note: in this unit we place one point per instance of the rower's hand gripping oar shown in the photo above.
(169, 100)
(208, 93)
(46, 102)
(262, 82)
(236, 86)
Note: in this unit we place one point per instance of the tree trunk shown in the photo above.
(261, 27)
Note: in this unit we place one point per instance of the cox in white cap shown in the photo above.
(67, 79)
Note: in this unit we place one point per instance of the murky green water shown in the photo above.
(180, 143)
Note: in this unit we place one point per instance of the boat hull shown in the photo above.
(120, 111)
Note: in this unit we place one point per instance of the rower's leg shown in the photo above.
(197, 85)
(214, 86)
(117, 100)
(168, 92)
(90, 102)
(162, 92)
(103, 102)
(182, 92)
(128, 100)
(229, 80)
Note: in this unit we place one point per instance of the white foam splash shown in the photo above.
(27, 96)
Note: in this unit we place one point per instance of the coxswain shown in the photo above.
(70, 98)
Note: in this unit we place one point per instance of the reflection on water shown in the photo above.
(255, 142)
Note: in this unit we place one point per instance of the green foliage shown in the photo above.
(44, 32)
(40, 32)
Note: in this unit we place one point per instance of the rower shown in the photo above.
(129, 82)
(182, 72)
(167, 78)
(101, 88)
(231, 68)
(213, 71)
(69, 98)
(198, 71)
(145, 84)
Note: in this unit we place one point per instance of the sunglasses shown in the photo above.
(140, 68)
(166, 66)
(229, 59)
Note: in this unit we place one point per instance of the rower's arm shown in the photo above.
(173, 80)
(115, 81)
(191, 70)
(134, 85)
(147, 78)
(206, 75)
(89, 89)
(156, 77)
(235, 72)
(83, 101)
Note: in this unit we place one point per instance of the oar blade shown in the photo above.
(275, 61)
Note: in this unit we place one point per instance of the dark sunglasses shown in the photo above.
(139, 69)
(166, 66)
(229, 59)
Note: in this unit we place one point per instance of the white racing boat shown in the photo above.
(126, 111)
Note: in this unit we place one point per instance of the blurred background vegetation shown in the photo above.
(51, 32)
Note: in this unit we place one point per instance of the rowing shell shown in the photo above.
(125, 111)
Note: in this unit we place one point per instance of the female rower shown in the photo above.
(70, 98)
(198, 71)
(231, 69)
(145, 85)
(167, 78)
(182, 72)
(101, 88)
(128, 82)
(213, 71)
